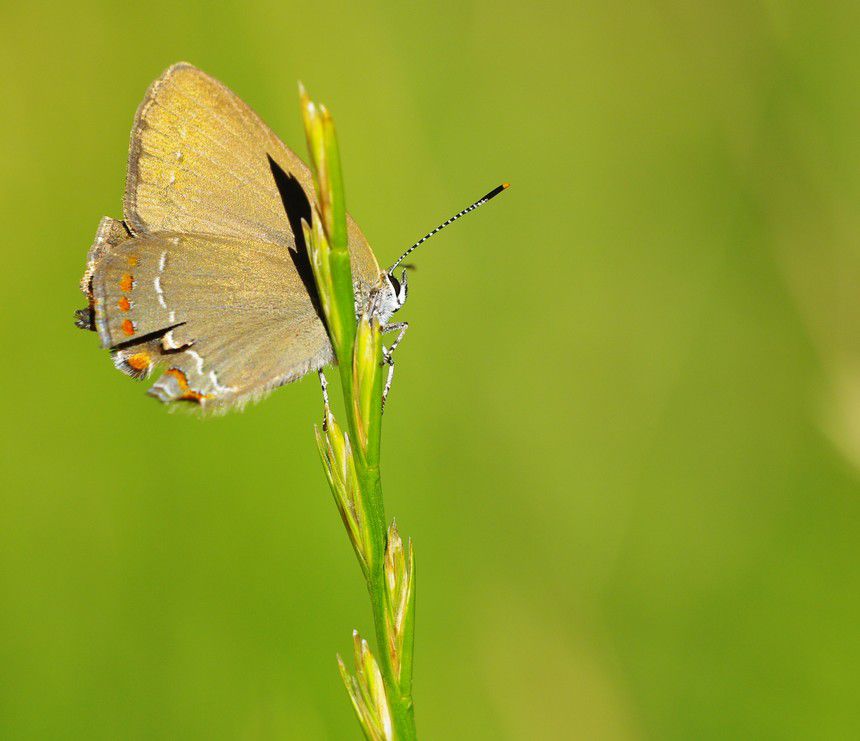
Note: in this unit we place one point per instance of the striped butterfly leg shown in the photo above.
(387, 354)
(326, 407)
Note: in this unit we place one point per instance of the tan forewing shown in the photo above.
(201, 161)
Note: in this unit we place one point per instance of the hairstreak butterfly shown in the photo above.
(207, 274)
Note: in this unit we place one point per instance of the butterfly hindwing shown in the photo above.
(109, 234)
(229, 318)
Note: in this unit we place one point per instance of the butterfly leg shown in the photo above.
(324, 385)
(400, 328)
(388, 380)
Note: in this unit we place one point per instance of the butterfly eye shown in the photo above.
(395, 284)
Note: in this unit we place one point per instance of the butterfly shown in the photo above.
(207, 274)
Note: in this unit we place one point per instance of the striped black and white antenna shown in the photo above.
(480, 202)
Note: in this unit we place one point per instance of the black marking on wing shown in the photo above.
(157, 334)
(298, 208)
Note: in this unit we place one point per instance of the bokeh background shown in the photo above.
(625, 430)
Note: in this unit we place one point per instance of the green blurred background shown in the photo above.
(625, 430)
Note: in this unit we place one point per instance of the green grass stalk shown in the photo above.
(381, 688)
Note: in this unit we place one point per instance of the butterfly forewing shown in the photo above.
(202, 161)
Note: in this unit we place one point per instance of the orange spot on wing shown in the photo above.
(188, 393)
(126, 283)
(123, 304)
(140, 361)
(128, 327)
(132, 261)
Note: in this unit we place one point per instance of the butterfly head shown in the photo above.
(388, 297)
(399, 289)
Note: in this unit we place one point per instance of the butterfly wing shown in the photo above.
(229, 318)
(202, 161)
(209, 272)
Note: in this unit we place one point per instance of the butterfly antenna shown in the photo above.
(480, 202)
